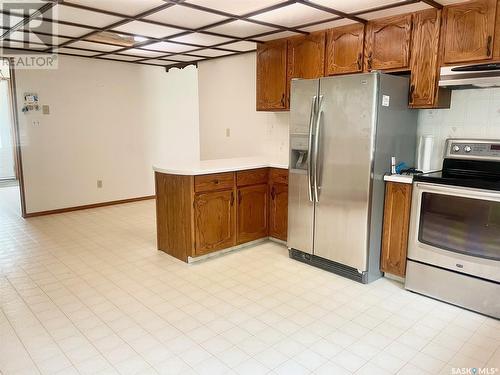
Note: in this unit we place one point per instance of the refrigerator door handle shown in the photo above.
(319, 114)
(311, 145)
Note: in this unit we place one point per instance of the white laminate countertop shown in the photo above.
(217, 166)
(401, 178)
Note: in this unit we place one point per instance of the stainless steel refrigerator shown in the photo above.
(343, 132)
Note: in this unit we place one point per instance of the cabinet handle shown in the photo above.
(239, 197)
(282, 100)
(370, 61)
(412, 91)
(273, 193)
(232, 198)
(359, 61)
(216, 182)
(488, 45)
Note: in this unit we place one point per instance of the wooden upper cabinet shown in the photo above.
(214, 219)
(344, 49)
(396, 226)
(272, 94)
(388, 43)
(306, 56)
(469, 31)
(252, 213)
(424, 88)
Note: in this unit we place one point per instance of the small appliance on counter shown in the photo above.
(454, 245)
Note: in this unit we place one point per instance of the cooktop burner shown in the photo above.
(468, 163)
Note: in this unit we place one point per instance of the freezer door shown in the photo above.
(345, 131)
(303, 100)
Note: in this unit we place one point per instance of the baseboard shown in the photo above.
(87, 206)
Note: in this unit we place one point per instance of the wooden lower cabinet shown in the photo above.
(197, 215)
(278, 211)
(252, 213)
(215, 220)
(396, 227)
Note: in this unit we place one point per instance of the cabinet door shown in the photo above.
(271, 76)
(396, 226)
(252, 213)
(344, 49)
(214, 218)
(468, 31)
(424, 88)
(388, 43)
(306, 56)
(278, 211)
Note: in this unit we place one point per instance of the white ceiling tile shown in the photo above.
(209, 52)
(350, 6)
(65, 30)
(283, 34)
(81, 16)
(241, 29)
(147, 29)
(75, 52)
(9, 21)
(241, 46)
(160, 62)
(238, 7)
(201, 39)
(186, 17)
(95, 46)
(169, 47)
(328, 25)
(32, 37)
(395, 11)
(128, 7)
(142, 53)
(183, 58)
(13, 44)
(293, 15)
(121, 57)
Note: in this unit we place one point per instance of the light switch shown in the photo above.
(228, 132)
(45, 109)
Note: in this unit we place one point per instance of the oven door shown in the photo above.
(456, 228)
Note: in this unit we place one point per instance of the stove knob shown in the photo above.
(467, 149)
(456, 148)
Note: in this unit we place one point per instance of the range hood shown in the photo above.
(470, 76)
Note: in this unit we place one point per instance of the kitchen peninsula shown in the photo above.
(214, 205)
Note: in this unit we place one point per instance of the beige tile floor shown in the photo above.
(87, 293)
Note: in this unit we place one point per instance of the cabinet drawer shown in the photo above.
(252, 177)
(216, 181)
(278, 176)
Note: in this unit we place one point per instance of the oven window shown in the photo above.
(463, 225)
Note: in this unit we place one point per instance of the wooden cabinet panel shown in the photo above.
(252, 213)
(278, 175)
(388, 43)
(344, 49)
(424, 89)
(306, 56)
(272, 91)
(252, 177)
(214, 218)
(278, 211)
(469, 31)
(396, 226)
(215, 181)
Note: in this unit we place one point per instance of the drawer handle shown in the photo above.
(488, 45)
(216, 182)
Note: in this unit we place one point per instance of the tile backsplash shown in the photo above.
(474, 113)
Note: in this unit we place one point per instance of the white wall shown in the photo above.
(474, 113)
(227, 100)
(7, 164)
(109, 121)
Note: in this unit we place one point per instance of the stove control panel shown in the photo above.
(473, 149)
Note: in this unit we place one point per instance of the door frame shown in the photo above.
(18, 160)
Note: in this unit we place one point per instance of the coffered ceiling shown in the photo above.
(174, 33)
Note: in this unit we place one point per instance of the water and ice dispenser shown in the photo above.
(299, 152)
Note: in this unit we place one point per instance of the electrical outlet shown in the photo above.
(99, 184)
(36, 123)
(228, 132)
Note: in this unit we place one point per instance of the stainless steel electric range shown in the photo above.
(454, 242)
